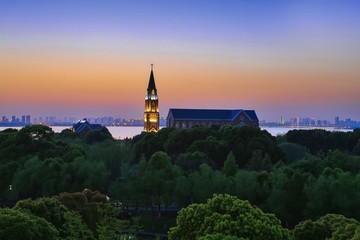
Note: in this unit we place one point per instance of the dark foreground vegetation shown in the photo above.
(303, 185)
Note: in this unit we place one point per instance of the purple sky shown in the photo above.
(92, 58)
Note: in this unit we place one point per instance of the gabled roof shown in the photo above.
(252, 114)
(209, 114)
(84, 124)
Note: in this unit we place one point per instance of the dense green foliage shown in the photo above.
(97, 212)
(319, 141)
(15, 224)
(69, 224)
(300, 176)
(219, 236)
(225, 214)
(84, 215)
(330, 226)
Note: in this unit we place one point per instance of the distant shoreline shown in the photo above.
(122, 132)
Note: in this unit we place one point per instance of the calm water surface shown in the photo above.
(129, 132)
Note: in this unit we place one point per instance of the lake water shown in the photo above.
(116, 132)
(129, 132)
(275, 131)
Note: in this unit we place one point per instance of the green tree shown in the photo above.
(247, 186)
(214, 149)
(181, 190)
(7, 171)
(330, 226)
(98, 213)
(68, 135)
(206, 182)
(342, 160)
(315, 140)
(230, 167)
(356, 149)
(333, 191)
(68, 223)
(287, 199)
(98, 136)
(341, 227)
(227, 215)
(311, 230)
(293, 152)
(159, 179)
(150, 143)
(219, 236)
(81, 173)
(38, 140)
(28, 179)
(179, 141)
(259, 162)
(191, 161)
(112, 154)
(16, 224)
(243, 141)
(8, 145)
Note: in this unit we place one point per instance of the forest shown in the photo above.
(230, 182)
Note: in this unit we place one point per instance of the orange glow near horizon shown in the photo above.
(108, 83)
(104, 82)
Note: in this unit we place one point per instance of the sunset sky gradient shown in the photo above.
(92, 58)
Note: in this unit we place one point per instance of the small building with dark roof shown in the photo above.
(186, 118)
(83, 127)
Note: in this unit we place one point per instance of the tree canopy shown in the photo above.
(303, 175)
(227, 215)
(16, 224)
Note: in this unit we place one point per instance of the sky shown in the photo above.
(92, 58)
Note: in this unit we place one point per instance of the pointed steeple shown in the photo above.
(151, 113)
(151, 85)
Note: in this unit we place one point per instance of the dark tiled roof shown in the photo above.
(82, 124)
(209, 114)
(252, 114)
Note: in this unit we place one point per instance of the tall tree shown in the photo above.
(230, 167)
(227, 215)
(159, 179)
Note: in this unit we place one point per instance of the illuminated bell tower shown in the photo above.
(151, 113)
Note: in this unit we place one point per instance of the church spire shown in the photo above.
(151, 85)
(151, 113)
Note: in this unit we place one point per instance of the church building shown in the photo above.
(151, 113)
(186, 118)
(83, 127)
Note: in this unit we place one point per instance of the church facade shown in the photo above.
(186, 118)
(151, 112)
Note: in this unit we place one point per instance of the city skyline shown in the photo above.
(93, 58)
(116, 120)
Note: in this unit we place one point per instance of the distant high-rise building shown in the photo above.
(4, 119)
(337, 120)
(282, 120)
(293, 121)
(151, 113)
(27, 119)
